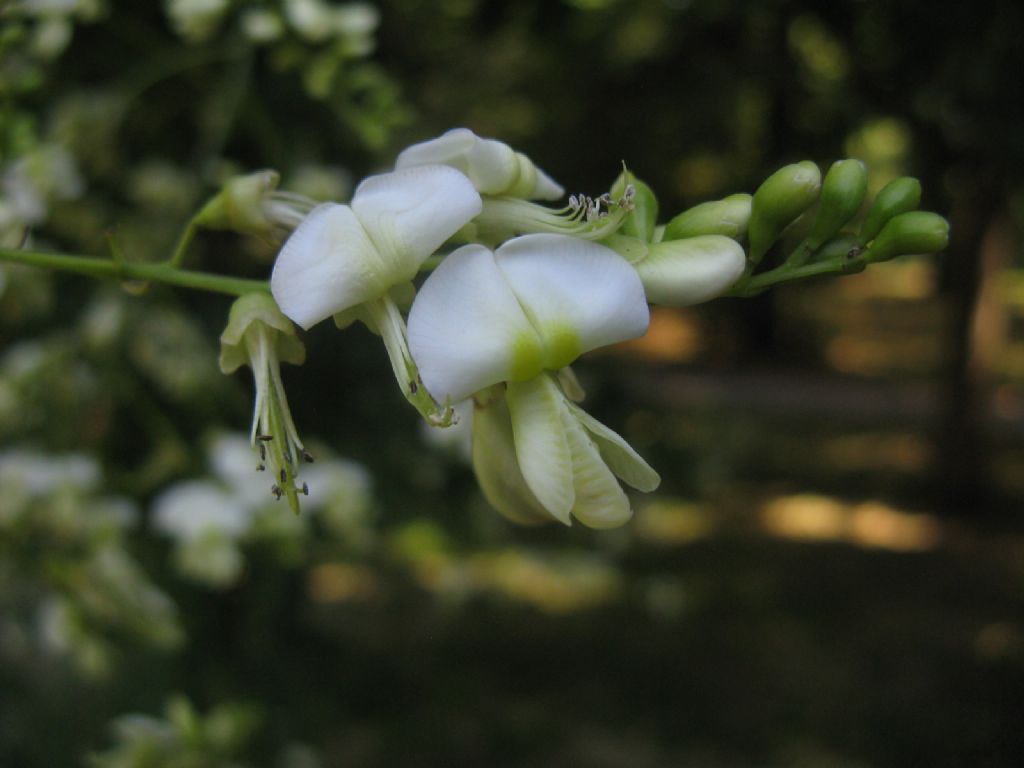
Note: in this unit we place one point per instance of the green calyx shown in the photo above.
(258, 313)
(239, 206)
(641, 221)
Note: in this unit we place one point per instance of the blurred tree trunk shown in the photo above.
(961, 465)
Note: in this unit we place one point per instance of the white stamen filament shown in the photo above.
(585, 217)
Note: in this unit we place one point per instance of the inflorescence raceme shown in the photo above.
(517, 292)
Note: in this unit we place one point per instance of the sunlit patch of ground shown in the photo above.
(865, 524)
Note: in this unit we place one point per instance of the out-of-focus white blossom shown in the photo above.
(318, 21)
(30, 184)
(261, 25)
(37, 474)
(195, 20)
(189, 510)
(51, 36)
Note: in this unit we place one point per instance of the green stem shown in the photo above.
(178, 257)
(755, 284)
(157, 273)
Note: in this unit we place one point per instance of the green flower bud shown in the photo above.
(778, 202)
(641, 221)
(842, 192)
(913, 232)
(251, 316)
(728, 217)
(680, 273)
(898, 196)
(843, 246)
(240, 205)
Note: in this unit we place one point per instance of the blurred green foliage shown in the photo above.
(400, 622)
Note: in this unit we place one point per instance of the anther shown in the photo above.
(276, 490)
(264, 438)
(307, 457)
(284, 477)
(305, 489)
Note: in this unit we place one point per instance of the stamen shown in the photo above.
(589, 218)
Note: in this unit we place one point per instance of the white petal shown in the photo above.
(497, 468)
(600, 501)
(536, 407)
(467, 331)
(490, 165)
(408, 214)
(679, 273)
(619, 455)
(531, 183)
(327, 265)
(578, 295)
(546, 188)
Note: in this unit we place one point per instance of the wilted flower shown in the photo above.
(497, 326)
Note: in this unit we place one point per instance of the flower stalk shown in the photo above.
(107, 269)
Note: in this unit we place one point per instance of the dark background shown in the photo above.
(832, 573)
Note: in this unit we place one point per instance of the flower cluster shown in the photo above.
(496, 326)
(518, 291)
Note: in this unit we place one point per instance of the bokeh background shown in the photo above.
(832, 573)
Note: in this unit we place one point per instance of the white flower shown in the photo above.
(341, 256)
(261, 25)
(515, 317)
(196, 20)
(318, 21)
(493, 167)
(191, 510)
(349, 258)
(534, 304)
(259, 336)
(37, 474)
